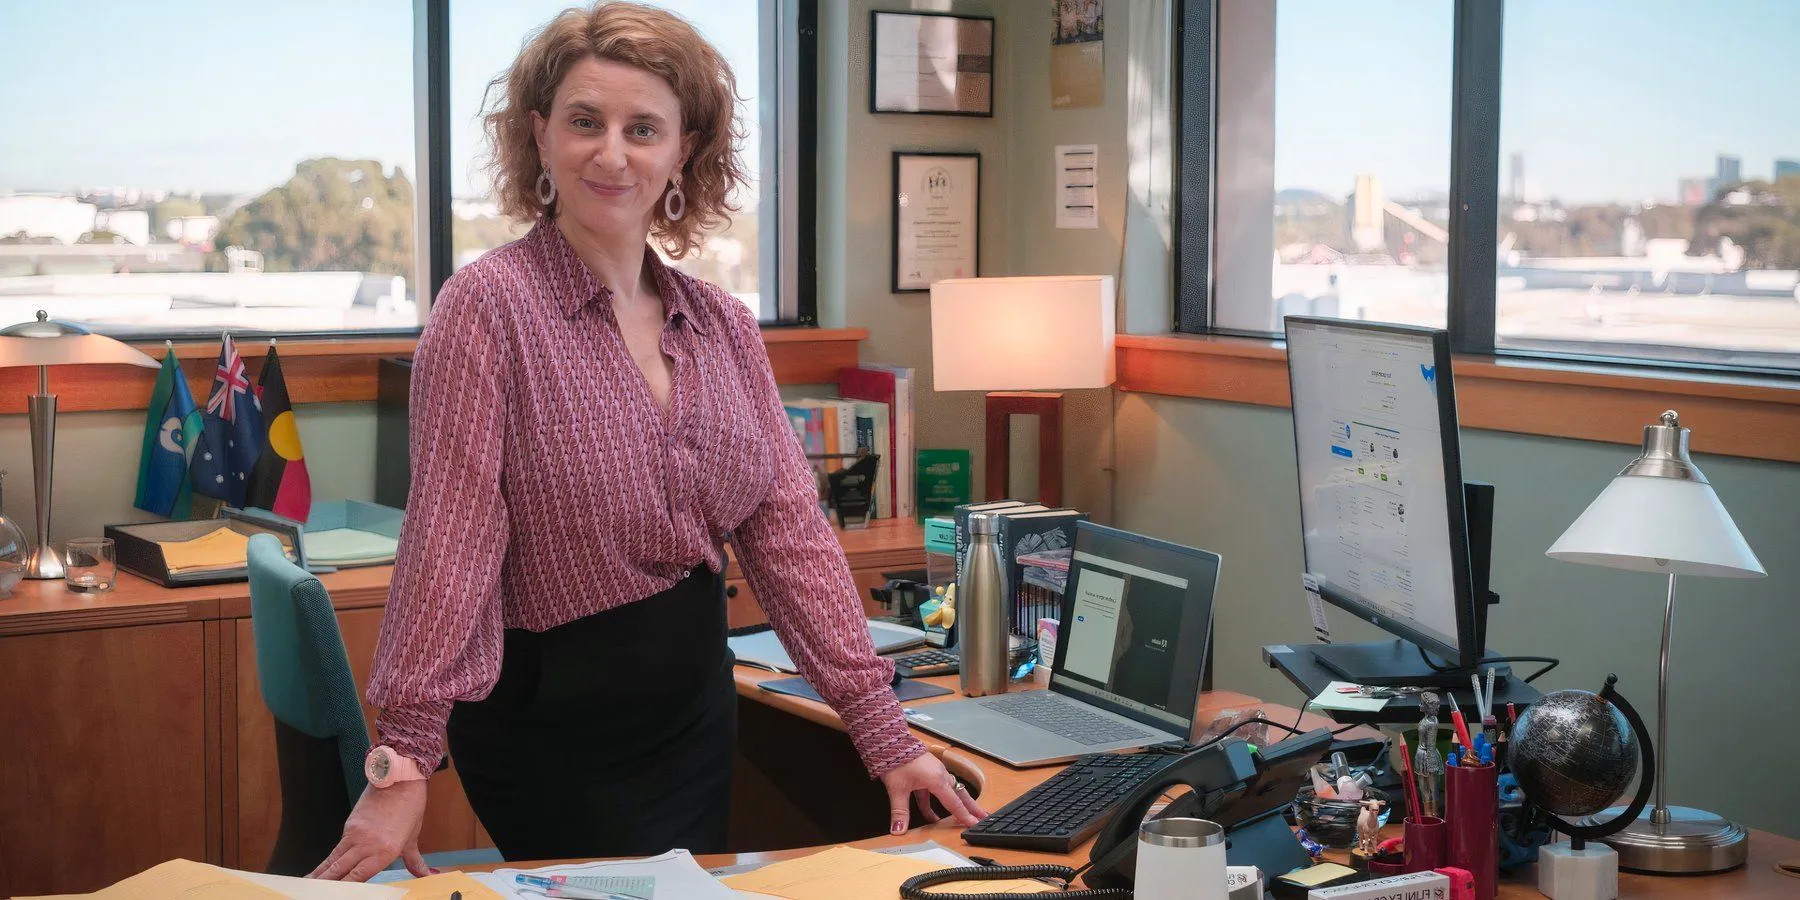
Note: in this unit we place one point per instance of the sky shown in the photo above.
(196, 95)
(1606, 99)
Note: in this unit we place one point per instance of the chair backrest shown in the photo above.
(301, 663)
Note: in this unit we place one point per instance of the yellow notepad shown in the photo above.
(846, 873)
(221, 549)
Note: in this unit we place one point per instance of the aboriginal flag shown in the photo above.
(279, 482)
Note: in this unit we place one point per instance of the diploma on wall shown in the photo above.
(937, 218)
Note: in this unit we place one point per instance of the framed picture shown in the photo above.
(934, 63)
(937, 218)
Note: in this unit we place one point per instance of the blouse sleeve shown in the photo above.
(441, 637)
(796, 566)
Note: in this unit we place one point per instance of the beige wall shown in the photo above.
(97, 464)
(1017, 233)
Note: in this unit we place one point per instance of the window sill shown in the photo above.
(1754, 418)
(344, 371)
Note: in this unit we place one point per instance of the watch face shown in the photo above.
(379, 765)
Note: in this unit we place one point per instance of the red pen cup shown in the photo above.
(1424, 843)
(1472, 808)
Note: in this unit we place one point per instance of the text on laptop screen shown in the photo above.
(1125, 640)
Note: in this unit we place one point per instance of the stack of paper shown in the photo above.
(213, 551)
(846, 873)
(676, 873)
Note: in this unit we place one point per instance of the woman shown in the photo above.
(588, 426)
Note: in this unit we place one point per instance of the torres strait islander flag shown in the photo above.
(279, 483)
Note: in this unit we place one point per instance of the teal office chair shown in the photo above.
(320, 738)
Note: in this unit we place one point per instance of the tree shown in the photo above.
(334, 215)
(1767, 227)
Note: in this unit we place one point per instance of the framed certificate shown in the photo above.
(934, 63)
(937, 218)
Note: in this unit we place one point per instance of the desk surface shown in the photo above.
(38, 607)
(998, 784)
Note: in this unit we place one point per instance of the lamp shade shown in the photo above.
(1043, 333)
(1657, 524)
(47, 342)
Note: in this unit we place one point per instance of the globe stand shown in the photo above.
(1572, 870)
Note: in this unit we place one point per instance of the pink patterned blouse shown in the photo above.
(548, 485)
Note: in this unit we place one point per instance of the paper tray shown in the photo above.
(140, 551)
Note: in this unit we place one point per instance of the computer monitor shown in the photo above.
(1382, 500)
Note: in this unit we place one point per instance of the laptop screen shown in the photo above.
(1137, 613)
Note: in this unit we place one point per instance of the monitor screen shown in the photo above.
(1137, 613)
(1381, 503)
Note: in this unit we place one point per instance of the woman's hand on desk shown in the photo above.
(383, 827)
(922, 778)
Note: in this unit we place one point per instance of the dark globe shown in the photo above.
(1573, 753)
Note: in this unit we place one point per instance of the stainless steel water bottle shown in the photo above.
(981, 615)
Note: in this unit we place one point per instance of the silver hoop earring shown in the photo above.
(546, 189)
(680, 200)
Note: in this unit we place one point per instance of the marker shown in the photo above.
(553, 888)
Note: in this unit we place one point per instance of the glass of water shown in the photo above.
(90, 565)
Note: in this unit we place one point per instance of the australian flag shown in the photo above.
(230, 433)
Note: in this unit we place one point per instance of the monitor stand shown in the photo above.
(1396, 663)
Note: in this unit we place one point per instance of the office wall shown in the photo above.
(97, 464)
(1222, 476)
(1017, 234)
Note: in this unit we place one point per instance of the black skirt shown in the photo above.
(612, 735)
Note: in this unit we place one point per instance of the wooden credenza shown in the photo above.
(132, 728)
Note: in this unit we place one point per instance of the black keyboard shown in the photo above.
(1067, 809)
(926, 663)
(1056, 715)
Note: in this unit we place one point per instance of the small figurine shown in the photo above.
(1368, 827)
(1428, 763)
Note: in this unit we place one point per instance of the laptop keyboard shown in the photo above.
(1043, 709)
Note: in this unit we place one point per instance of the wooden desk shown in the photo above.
(996, 784)
(132, 728)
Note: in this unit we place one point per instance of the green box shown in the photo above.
(943, 481)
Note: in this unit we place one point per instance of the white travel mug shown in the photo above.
(1180, 859)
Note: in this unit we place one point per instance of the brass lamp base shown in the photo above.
(1693, 841)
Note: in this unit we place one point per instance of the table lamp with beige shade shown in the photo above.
(1023, 340)
(45, 343)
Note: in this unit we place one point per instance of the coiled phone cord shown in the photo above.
(914, 888)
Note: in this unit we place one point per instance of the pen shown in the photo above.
(988, 862)
(550, 887)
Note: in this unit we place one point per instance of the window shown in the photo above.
(1341, 173)
(742, 257)
(171, 171)
(182, 168)
(1654, 212)
(1640, 212)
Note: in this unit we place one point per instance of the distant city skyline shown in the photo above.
(1606, 100)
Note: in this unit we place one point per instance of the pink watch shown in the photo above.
(385, 767)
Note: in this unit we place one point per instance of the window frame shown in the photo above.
(1472, 287)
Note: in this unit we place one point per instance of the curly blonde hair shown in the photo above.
(648, 38)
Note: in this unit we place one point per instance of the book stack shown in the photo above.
(872, 413)
(1030, 540)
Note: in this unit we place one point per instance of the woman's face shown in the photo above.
(612, 142)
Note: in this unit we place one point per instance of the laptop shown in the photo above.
(1130, 649)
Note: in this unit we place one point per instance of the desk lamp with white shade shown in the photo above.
(1023, 340)
(45, 343)
(1660, 515)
